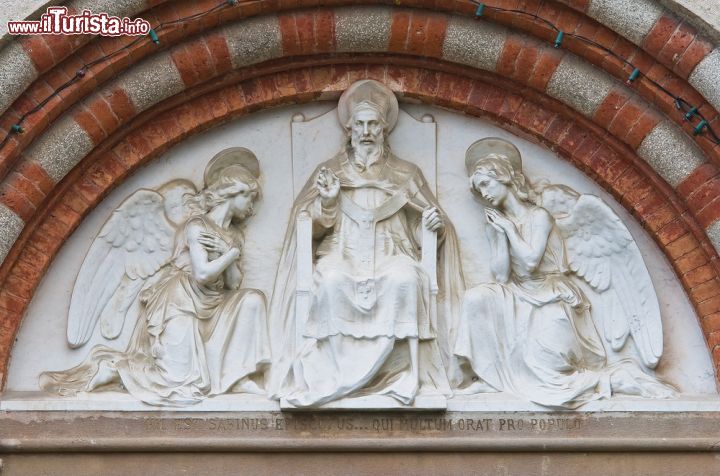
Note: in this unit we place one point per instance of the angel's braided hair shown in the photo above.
(224, 187)
(499, 167)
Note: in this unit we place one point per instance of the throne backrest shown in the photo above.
(317, 139)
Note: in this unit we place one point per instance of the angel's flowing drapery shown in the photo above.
(191, 341)
(370, 294)
(534, 336)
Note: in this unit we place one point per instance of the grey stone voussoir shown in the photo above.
(153, 80)
(118, 8)
(16, 74)
(713, 233)
(580, 85)
(671, 153)
(632, 19)
(61, 147)
(706, 78)
(10, 227)
(474, 43)
(362, 29)
(253, 41)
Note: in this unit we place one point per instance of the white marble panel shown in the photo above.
(42, 345)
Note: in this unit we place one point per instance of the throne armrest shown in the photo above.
(429, 257)
(304, 251)
(304, 271)
(429, 263)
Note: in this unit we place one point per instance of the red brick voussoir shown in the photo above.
(523, 111)
(205, 58)
(418, 31)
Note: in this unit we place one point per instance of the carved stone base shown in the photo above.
(365, 463)
(491, 402)
(124, 402)
(48, 432)
(377, 402)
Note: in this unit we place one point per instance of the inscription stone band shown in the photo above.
(43, 432)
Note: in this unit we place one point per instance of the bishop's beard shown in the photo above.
(368, 154)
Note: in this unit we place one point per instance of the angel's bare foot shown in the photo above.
(622, 381)
(637, 383)
(105, 374)
(657, 390)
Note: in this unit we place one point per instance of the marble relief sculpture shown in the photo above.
(370, 324)
(197, 332)
(369, 297)
(532, 332)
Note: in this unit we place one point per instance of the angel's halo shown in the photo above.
(233, 156)
(480, 149)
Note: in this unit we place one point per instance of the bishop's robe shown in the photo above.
(369, 292)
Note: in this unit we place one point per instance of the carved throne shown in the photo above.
(312, 143)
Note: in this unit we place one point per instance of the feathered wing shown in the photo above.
(601, 250)
(132, 246)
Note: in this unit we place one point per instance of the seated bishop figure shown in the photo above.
(370, 328)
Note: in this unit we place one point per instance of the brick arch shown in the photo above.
(204, 60)
(58, 58)
(607, 160)
(663, 36)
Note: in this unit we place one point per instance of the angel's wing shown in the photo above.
(132, 246)
(601, 250)
(175, 193)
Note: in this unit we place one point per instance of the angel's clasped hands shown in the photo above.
(214, 244)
